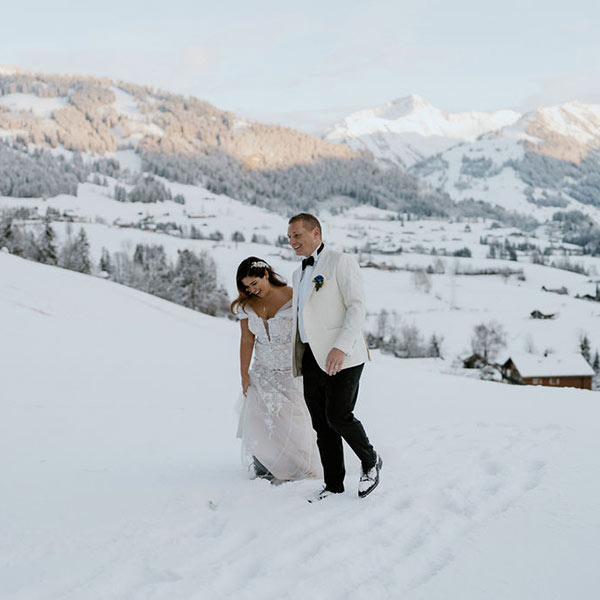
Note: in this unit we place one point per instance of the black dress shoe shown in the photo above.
(369, 480)
(321, 495)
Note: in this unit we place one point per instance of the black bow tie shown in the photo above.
(310, 261)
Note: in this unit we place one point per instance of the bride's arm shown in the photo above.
(246, 348)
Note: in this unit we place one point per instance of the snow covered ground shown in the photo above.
(121, 474)
(43, 107)
(362, 228)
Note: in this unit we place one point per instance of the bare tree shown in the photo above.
(488, 339)
(383, 324)
(422, 280)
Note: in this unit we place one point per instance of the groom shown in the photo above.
(330, 352)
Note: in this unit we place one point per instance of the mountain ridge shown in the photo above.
(416, 124)
(189, 140)
(566, 131)
(536, 163)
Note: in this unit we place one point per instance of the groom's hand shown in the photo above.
(335, 360)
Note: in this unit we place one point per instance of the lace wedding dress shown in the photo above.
(275, 426)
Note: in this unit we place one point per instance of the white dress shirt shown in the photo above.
(304, 290)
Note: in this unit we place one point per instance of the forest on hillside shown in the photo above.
(188, 140)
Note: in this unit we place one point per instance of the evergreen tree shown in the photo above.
(83, 250)
(75, 254)
(152, 270)
(195, 233)
(195, 284)
(462, 252)
(105, 264)
(52, 213)
(7, 237)
(584, 347)
(237, 236)
(435, 346)
(46, 247)
(215, 236)
(138, 255)
(596, 363)
(16, 239)
(158, 271)
(120, 194)
(190, 281)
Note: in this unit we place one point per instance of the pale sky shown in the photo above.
(314, 61)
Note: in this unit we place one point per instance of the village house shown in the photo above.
(556, 370)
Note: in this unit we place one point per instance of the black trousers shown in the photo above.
(330, 400)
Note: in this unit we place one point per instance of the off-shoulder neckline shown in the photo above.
(284, 305)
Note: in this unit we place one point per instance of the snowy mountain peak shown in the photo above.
(414, 114)
(408, 129)
(565, 131)
(572, 119)
(402, 107)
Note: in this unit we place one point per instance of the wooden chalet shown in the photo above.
(556, 370)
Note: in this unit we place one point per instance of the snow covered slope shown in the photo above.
(43, 107)
(567, 131)
(449, 306)
(121, 476)
(409, 129)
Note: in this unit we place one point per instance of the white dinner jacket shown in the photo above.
(334, 315)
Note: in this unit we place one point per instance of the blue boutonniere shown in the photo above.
(318, 281)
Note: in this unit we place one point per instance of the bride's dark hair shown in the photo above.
(252, 267)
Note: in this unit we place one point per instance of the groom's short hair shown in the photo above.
(309, 221)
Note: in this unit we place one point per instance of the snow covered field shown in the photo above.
(451, 307)
(121, 474)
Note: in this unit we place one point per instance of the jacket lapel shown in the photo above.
(321, 268)
(296, 282)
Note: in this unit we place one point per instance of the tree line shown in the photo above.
(306, 187)
(190, 281)
(37, 173)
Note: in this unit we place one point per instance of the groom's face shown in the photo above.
(303, 241)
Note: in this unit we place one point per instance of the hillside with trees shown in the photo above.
(185, 140)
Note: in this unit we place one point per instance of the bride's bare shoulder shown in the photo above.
(252, 305)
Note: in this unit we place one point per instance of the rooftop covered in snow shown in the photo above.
(551, 365)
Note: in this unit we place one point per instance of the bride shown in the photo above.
(275, 427)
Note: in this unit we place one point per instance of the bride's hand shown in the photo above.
(245, 383)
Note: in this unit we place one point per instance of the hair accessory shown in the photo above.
(259, 264)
